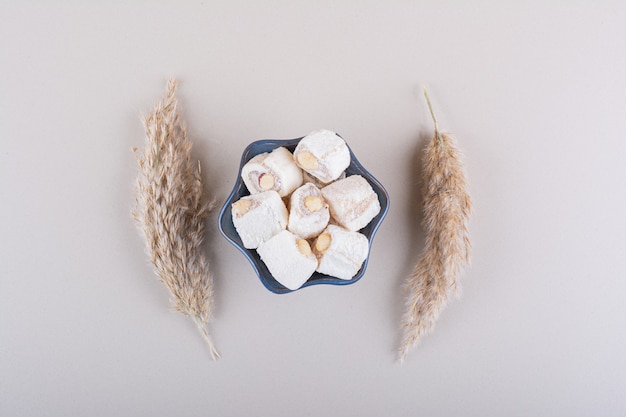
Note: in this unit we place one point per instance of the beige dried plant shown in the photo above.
(447, 207)
(170, 211)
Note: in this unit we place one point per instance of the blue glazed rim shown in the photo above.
(227, 229)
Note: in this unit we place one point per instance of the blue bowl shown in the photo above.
(230, 233)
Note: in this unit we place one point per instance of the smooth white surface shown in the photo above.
(534, 91)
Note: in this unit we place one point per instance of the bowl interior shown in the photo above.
(230, 233)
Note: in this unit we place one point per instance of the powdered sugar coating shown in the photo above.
(345, 255)
(329, 150)
(352, 202)
(266, 216)
(280, 165)
(302, 221)
(287, 264)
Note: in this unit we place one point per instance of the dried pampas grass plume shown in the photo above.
(447, 207)
(170, 211)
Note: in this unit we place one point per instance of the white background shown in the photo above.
(533, 90)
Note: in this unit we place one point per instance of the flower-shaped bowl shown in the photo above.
(228, 230)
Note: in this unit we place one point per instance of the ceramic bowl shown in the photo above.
(228, 230)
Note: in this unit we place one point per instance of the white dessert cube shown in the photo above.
(352, 202)
(274, 170)
(323, 154)
(341, 253)
(288, 258)
(258, 217)
(308, 212)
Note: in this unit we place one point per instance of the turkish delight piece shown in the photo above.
(352, 202)
(308, 212)
(274, 170)
(288, 258)
(340, 252)
(323, 154)
(258, 217)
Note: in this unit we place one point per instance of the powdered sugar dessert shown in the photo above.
(340, 252)
(323, 154)
(274, 170)
(352, 202)
(308, 212)
(258, 217)
(289, 259)
(305, 211)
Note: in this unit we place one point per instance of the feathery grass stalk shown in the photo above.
(447, 207)
(170, 211)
